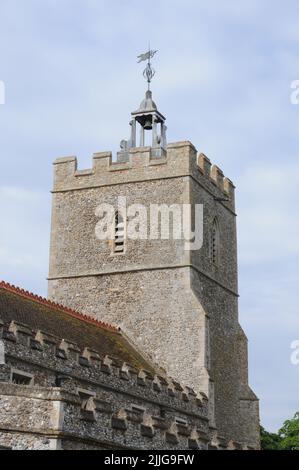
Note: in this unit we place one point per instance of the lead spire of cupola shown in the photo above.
(147, 117)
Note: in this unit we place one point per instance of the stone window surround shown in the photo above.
(22, 374)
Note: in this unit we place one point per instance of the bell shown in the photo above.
(148, 124)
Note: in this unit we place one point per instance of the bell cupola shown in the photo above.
(147, 118)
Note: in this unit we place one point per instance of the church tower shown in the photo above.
(179, 305)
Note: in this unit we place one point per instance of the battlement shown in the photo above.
(100, 422)
(101, 396)
(47, 350)
(120, 404)
(181, 159)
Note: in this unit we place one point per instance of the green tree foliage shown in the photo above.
(289, 434)
(287, 437)
(269, 441)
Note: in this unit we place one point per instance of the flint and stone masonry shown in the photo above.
(179, 307)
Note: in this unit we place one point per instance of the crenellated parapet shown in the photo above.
(103, 399)
(180, 160)
(46, 350)
(102, 423)
(214, 175)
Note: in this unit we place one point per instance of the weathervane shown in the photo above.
(149, 71)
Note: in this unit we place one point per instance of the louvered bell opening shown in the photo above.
(119, 247)
(119, 241)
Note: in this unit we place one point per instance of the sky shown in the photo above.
(224, 75)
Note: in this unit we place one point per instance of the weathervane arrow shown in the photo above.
(147, 56)
(149, 72)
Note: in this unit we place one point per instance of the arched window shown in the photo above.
(119, 233)
(215, 243)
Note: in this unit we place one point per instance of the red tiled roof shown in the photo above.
(48, 303)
